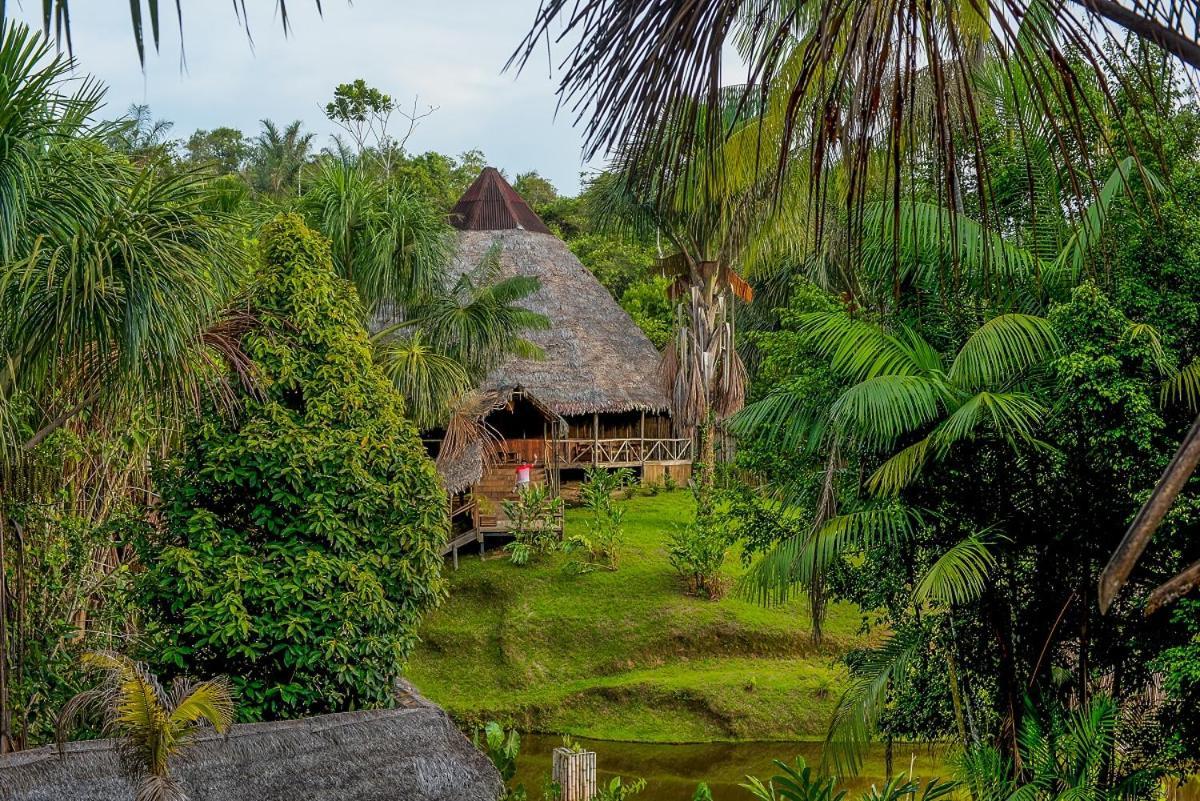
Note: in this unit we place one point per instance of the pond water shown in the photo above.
(673, 771)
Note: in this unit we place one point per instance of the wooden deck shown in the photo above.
(482, 511)
(623, 452)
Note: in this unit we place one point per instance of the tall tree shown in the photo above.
(278, 156)
(301, 535)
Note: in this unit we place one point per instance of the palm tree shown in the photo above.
(153, 724)
(904, 405)
(387, 240)
(140, 136)
(110, 273)
(116, 282)
(278, 156)
(878, 87)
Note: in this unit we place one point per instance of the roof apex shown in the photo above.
(491, 204)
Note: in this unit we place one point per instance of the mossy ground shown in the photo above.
(626, 655)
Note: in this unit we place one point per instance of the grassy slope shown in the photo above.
(625, 655)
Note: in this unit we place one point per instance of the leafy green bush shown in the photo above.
(533, 522)
(301, 536)
(502, 748)
(604, 533)
(697, 551)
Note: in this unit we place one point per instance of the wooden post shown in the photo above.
(575, 774)
(595, 437)
(642, 444)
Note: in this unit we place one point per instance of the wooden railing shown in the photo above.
(623, 451)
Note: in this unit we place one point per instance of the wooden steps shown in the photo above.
(499, 484)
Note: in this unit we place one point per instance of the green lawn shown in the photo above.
(625, 655)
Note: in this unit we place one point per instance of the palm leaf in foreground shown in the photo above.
(795, 562)
(153, 724)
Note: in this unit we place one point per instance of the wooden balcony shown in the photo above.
(629, 451)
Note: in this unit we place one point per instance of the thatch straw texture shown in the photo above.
(413, 754)
(597, 359)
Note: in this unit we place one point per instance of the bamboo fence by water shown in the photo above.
(575, 773)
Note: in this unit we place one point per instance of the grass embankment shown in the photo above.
(625, 655)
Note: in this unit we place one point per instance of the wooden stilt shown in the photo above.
(642, 444)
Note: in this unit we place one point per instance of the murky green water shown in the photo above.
(673, 771)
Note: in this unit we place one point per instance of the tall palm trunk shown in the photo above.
(707, 379)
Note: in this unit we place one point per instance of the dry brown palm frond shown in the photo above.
(468, 427)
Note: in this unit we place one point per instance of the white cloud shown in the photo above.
(450, 53)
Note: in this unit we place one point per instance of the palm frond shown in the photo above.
(920, 242)
(857, 349)
(1182, 387)
(786, 416)
(883, 408)
(1003, 348)
(428, 379)
(858, 708)
(1089, 230)
(900, 470)
(1144, 332)
(1011, 415)
(960, 575)
(793, 562)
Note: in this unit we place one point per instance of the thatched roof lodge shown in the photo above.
(597, 398)
(414, 754)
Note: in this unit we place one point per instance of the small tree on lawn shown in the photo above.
(301, 533)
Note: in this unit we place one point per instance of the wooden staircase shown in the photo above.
(498, 484)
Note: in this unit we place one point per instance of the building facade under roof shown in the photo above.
(597, 397)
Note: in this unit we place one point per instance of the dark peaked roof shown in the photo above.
(415, 754)
(490, 204)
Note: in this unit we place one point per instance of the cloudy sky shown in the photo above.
(447, 53)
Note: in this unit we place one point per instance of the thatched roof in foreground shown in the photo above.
(414, 754)
(597, 359)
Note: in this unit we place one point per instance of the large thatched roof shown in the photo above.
(415, 754)
(596, 358)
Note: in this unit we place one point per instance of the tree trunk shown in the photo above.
(6, 743)
(705, 466)
(1007, 704)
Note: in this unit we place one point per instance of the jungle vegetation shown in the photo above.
(929, 307)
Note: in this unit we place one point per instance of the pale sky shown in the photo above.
(450, 53)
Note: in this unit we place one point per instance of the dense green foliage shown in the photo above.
(302, 529)
(966, 375)
(955, 440)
